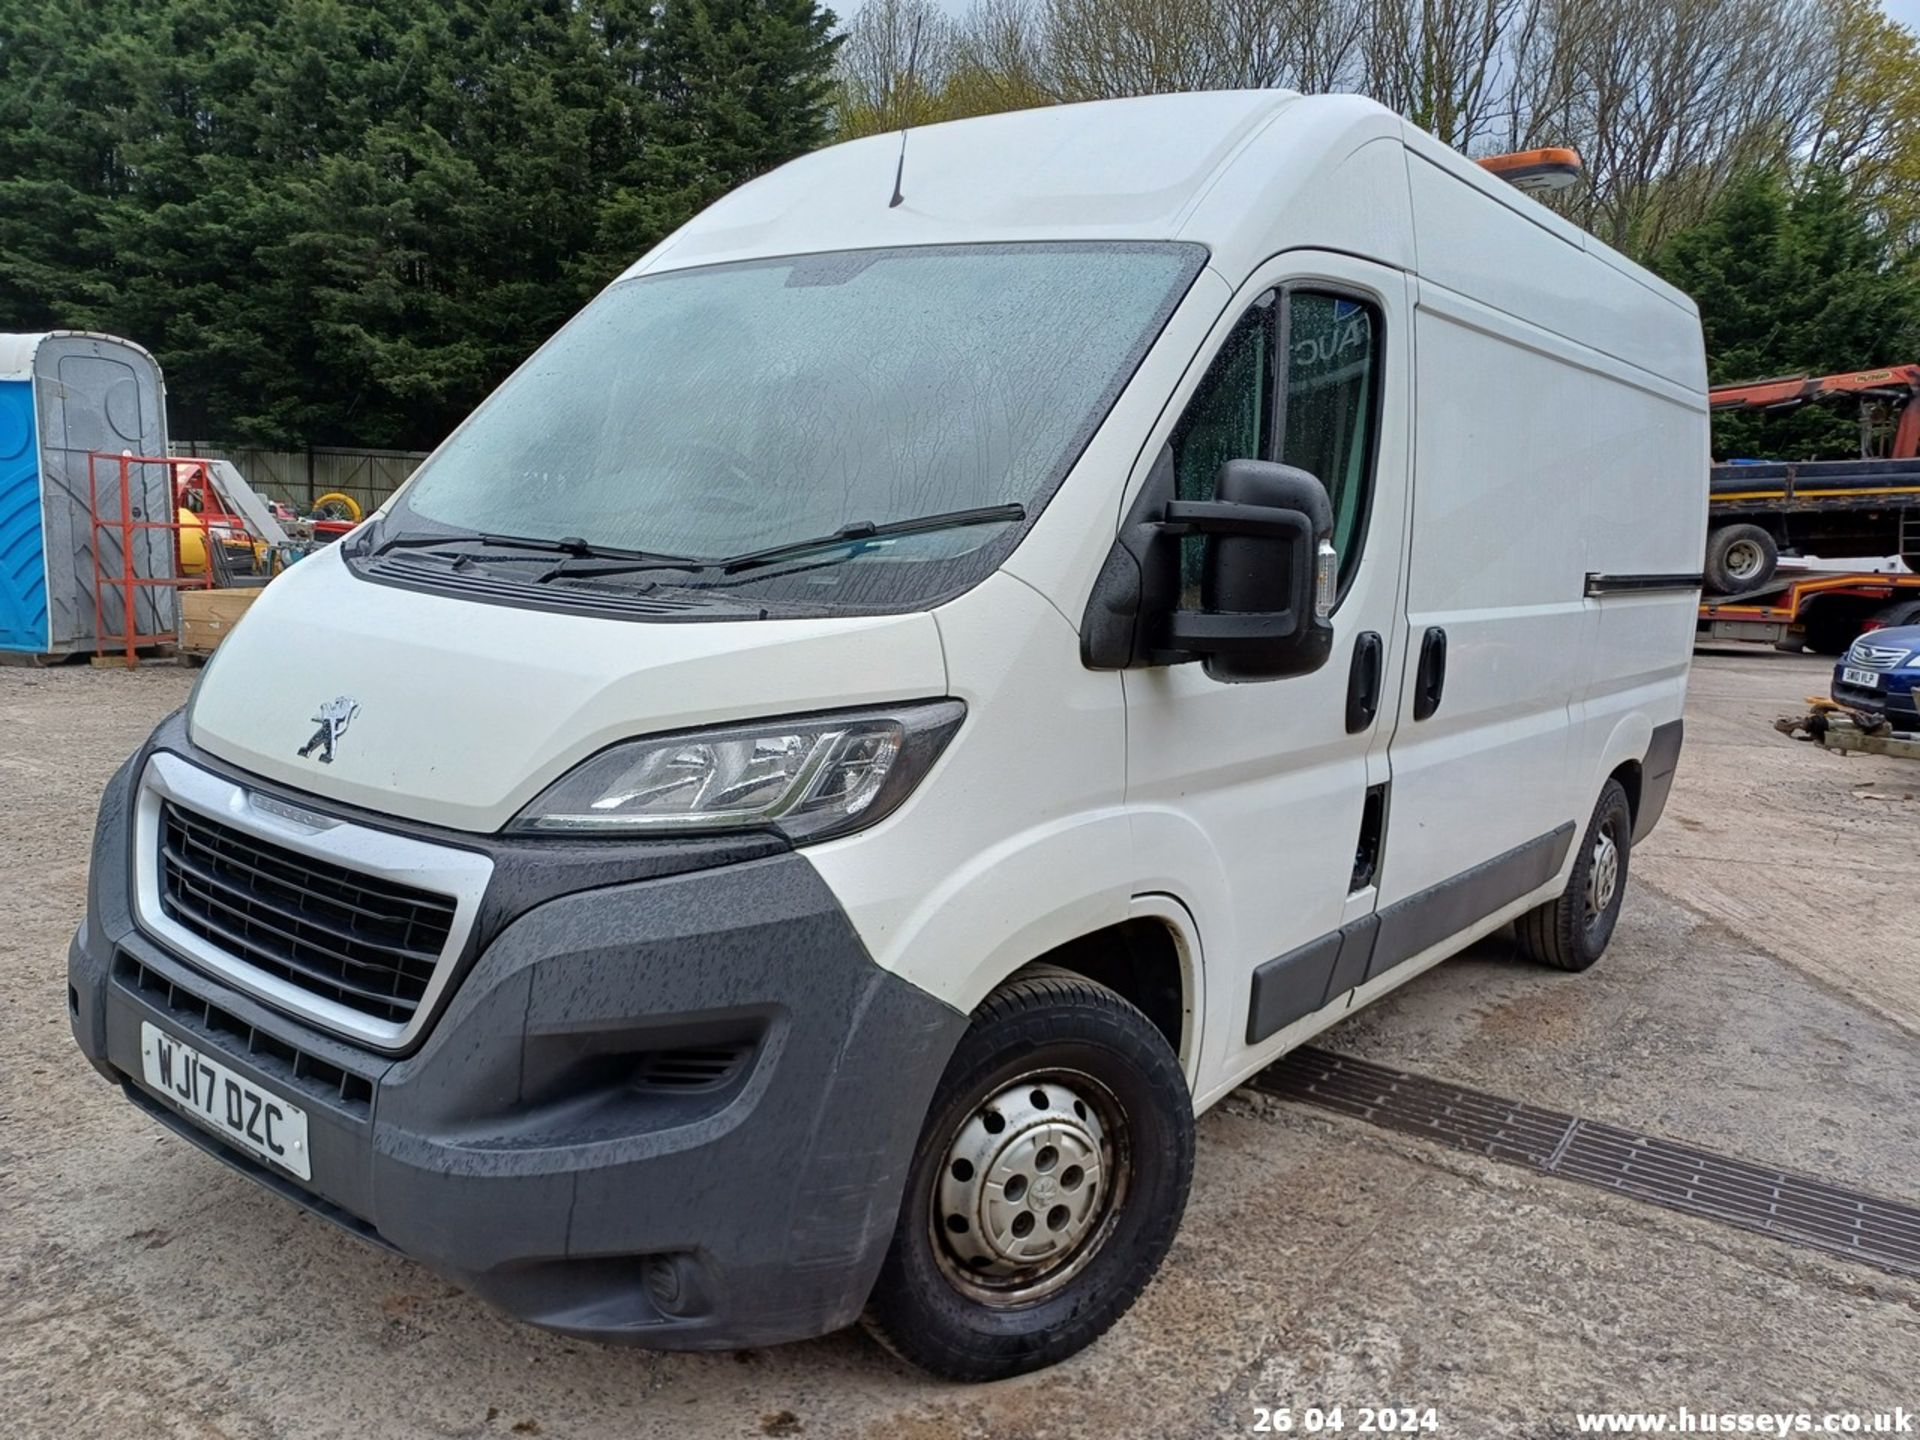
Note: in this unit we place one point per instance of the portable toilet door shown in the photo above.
(65, 394)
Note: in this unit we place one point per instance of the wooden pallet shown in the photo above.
(208, 616)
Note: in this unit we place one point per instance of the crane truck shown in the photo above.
(1868, 506)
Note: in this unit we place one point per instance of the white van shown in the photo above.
(961, 656)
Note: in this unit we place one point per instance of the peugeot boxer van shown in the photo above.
(962, 655)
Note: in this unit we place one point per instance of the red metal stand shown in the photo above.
(125, 526)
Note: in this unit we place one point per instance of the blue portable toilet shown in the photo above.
(64, 394)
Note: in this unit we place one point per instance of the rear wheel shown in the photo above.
(1571, 931)
(1049, 1180)
(1740, 557)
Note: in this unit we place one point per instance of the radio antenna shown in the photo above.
(913, 70)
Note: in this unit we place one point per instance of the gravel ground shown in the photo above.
(1762, 999)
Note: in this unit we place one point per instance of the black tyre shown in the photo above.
(1050, 1177)
(1903, 612)
(1571, 931)
(1740, 557)
(1831, 631)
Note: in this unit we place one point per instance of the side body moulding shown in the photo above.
(1306, 979)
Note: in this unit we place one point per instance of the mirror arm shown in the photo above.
(1237, 634)
(1224, 517)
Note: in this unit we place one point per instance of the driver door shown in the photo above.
(1265, 803)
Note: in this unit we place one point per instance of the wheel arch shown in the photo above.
(1628, 773)
(1624, 759)
(1151, 959)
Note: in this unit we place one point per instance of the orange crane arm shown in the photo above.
(1897, 383)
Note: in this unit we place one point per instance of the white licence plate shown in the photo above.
(1868, 678)
(228, 1104)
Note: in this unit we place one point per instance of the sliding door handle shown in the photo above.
(1431, 682)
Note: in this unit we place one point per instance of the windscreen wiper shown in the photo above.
(853, 534)
(573, 546)
(607, 560)
(420, 542)
(570, 546)
(861, 530)
(477, 537)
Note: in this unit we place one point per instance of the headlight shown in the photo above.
(807, 778)
(1913, 661)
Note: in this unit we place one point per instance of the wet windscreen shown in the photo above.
(717, 411)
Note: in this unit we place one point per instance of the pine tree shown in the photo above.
(731, 86)
(344, 221)
(1792, 281)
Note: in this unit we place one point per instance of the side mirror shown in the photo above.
(1268, 576)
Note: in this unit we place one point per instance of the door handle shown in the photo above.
(1432, 678)
(1363, 682)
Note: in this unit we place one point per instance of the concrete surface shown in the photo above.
(1761, 998)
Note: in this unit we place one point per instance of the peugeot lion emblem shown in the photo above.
(333, 718)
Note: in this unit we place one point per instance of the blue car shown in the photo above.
(1881, 672)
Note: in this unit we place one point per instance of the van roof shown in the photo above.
(1102, 170)
(1145, 168)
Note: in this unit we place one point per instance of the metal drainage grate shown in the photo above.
(1775, 1202)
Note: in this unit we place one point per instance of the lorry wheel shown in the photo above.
(1050, 1177)
(1902, 613)
(1740, 557)
(1571, 931)
(1831, 631)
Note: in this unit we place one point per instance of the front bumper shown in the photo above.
(1894, 697)
(543, 1146)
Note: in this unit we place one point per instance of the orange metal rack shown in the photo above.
(127, 525)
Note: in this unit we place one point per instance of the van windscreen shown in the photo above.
(713, 412)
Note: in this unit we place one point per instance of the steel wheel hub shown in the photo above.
(1744, 559)
(1603, 874)
(1024, 1186)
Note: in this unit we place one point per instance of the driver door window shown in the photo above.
(1333, 365)
(1319, 415)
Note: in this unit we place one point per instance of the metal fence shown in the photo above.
(299, 477)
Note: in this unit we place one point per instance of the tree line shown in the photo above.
(344, 221)
(1764, 155)
(1666, 100)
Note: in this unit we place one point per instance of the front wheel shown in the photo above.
(1049, 1180)
(1571, 931)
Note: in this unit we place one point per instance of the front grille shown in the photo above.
(1875, 657)
(369, 944)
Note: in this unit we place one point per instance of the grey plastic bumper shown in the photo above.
(525, 1149)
